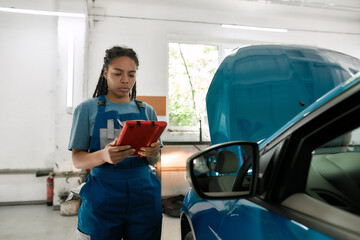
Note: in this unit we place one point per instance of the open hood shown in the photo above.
(259, 88)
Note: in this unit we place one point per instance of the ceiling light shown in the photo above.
(38, 12)
(254, 28)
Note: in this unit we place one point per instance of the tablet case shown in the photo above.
(139, 134)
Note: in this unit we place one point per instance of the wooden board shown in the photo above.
(158, 103)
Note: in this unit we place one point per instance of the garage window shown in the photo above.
(191, 69)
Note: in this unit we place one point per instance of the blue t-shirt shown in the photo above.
(85, 114)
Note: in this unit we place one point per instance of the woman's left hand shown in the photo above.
(151, 151)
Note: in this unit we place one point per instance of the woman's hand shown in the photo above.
(151, 153)
(111, 154)
(114, 154)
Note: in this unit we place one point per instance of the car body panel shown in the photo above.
(239, 219)
(245, 218)
(259, 88)
(318, 103)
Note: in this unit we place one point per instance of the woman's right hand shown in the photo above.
(114, 154)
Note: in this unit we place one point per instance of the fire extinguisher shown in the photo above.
(50, 189)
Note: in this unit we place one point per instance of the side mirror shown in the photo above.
(224, 171)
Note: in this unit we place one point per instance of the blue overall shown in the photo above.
(121, 200)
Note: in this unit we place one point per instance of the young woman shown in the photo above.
(122, 196)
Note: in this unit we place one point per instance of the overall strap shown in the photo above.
(140, 106)
(101, 103)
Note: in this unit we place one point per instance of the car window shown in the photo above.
(334, 173)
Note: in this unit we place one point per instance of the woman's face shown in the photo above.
(121, 77)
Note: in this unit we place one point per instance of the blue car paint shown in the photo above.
(241, 219)
(259, 88)
(238, 219)
(322, 100)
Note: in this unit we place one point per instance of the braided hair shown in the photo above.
(114, 52)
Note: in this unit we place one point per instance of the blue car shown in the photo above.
(286, 170)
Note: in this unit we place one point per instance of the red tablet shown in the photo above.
(139, 134)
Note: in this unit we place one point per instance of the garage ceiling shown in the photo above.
(347, 5)
(343, 5)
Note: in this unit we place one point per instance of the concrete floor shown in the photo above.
(36, 222)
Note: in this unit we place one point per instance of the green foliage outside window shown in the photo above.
(191, 69)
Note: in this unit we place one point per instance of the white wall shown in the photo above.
(35, 123)
(28, 64)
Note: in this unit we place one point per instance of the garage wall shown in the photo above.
(36, 122)
(27, 102)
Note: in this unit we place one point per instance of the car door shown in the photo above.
(315, 179)
(247, 219)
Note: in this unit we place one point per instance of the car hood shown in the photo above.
(258, 89)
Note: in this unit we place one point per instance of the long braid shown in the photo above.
(102, 87)
(133, 92)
